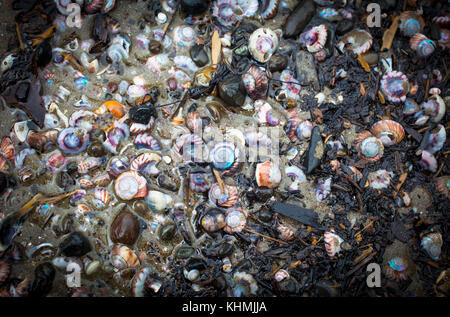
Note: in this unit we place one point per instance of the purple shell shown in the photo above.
(73, 140)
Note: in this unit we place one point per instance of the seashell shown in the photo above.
(41, 140)
(86, 183)
(21, 130)
(118, 165)
(72, 140)
(7, 149)
(157, 200)
(119, 48)
(256, 82)
(297, 129)
(281, 275)
(146, 164)
(146, 141)
(256, 139)
(136, 91)
(102, 180)
(285, 233)
(410, 23)
(395, 86)
(442, 20)
(199, 181)
(101, 197)
(191, 148)
(356, 175)
(213, 220)
(388, 132)
(51, 121)
(220, 199)
(125, 228)
(4, 167)
(296, 174)
(428, 162)
(7, 62)
(330, 14)
(432, 243)
(380, 179)
(421, 118)
(60, 57)
(315, 38)
(444, 40)
(79, 80)
(184, 36)
(158, 63)
(130, 185)
(115, 108)
(185, 63)
(322, 189)
(434, 107)
(443, 185)
(193, 121)
(235, 220)
(225, 156)
(358, 41)
(77, 119)
(248, 7)
(263, 113)
(332, 243)
(410, 107)
(20, 157)
(245, 285)
(141, 128)
(422, 45)
(114, 135)
(225, 12)
(56, 162)
(269, 9)
(108, 5)
(123, 257)
(25, 174)
(268, 174)
(90, 163)
(397, 268)
(436, 139)
(5, 270)
(291, 85)
(263, 43)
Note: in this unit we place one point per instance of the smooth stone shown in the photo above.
(344, 26)
(303, 215)
(230, 91)
(298, 19)
(75, 245)
(141, 207)
(306, 70)
(96, 149)
(125, 228)
(199, 55)
(43, 54)
(278, 63)
(44, 275)
(184, 252)
(315, 151)
(167, 232)
(194, 7)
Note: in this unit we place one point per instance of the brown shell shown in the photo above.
(416, 40)
(39, 140)
(7, 149)
(407, 15)
(442, 185)
(388, 131)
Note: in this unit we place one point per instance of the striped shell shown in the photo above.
(199, 182)
(7, 149)
(388, 131)
(434, 107)
(395, 86)
(263, 113)
(368, 146)
(432, 243)
(332, 243)
(56, 162)
(184, 36)
(422, 45)
(123, 257)
(442, 20)
(298, 129)
(136, 128)
(101, 197)
(114, 135)
(102, 180)
(146, 164)
(235, 220)
(129, 185)
(397, 268)
(224, 12)
(410, 23)
(268, 174)
(39, 140)
(85, 183)
(256, 82)
(146, 141)
(315, 38)
(220, 199)
(89, 163)
(269, 9)
(443, 185)
(290, 85)
(428, 162)
(285, 233)
(191, 148)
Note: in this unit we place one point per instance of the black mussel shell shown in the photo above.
(194, 7)
(231, 92)
(75, 244)
(44, 275)
(43, 54)
(199, 55)
(141, 114)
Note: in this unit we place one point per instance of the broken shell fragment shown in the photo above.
(268, 174)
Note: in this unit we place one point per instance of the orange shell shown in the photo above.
(388, 131)
(268, 174)
(115, 108)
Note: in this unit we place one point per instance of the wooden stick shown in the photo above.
(400, 184)
(19, 37)
(220, 181)
(264, 236)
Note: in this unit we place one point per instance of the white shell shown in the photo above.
(157, 200)
(262, 44)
